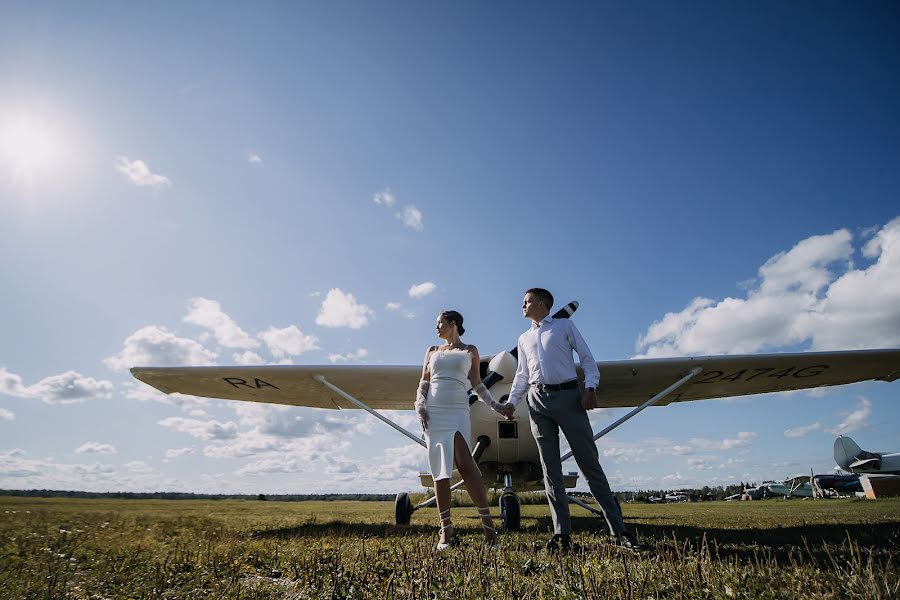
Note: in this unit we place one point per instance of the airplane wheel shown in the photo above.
(509, 511)
(403, 509)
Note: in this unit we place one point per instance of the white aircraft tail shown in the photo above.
(846, 452)
(850, 457)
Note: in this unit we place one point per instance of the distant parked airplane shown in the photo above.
(850, 457)
(795, 487)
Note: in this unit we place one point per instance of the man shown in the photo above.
(546, 372)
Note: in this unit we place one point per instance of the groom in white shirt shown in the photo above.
(546, 373)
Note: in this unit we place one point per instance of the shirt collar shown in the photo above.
(546, 320)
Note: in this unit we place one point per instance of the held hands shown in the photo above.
(588, 400)
(485, 396)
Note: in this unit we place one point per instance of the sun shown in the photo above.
(29, 146)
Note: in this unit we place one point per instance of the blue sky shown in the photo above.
(271, 182)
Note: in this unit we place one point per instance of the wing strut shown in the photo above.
(321, 379)
(690, 375)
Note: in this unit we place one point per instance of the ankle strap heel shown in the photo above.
(491, 542)
(446, 524)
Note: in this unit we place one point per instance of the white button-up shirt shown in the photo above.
(545, 356)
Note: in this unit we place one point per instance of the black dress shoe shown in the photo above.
(624, 540)
(560, 542)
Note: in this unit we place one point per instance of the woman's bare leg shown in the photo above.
(474, 484)
(442, 494)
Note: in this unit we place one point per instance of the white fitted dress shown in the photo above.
(448, 408)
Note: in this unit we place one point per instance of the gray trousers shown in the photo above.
(554, 410)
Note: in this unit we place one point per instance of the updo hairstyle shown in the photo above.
(455, 317)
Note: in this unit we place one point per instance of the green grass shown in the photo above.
(74, 548)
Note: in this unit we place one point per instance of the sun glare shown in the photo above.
(29, 147)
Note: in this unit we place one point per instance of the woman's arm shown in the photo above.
(475, 370)
(478, 388)
(426, 373)
(422, 391)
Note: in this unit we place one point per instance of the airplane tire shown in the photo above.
(403, 509)
(510, 512)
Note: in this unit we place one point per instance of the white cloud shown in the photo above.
(385, 198)
(204, 430)
(862, 307)
(855, 420)
(342, 310)
(66, 388)
(411, 217)
(209, 315)
(275, 464)
(7, 415)
(138, 173)
(290, 439)
(292, 422)
(135, 390)
(420, 290)
(17, 470)
(743, 439)
(95, 448)
(155, 346)
(400, 464)
(173, 453)
(254, 159)
(247, 358)
(802, 431)
(288, 341)
(359, 354)
(397, 307)
(810, 294)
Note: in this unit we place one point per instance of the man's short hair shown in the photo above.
(543, 295)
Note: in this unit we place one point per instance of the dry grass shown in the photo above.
(72, 548)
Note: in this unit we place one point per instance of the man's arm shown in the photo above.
(520, 381)
(588, 364)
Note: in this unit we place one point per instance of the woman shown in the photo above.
(442, 403)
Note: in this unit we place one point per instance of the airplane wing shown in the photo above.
(622, 383)
(382, 388)
(632, 382)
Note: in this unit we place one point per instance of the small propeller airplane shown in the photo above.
(505, 450)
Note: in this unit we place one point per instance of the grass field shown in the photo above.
(73, 548)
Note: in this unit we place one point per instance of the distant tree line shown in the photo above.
(191, 496)
(694, 494)
(458, 499)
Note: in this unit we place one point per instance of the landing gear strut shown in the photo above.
(510, 509)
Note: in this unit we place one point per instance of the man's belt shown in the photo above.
(556, 387)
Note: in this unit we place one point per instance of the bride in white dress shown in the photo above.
(442, 403)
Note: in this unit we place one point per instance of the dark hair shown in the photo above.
(454, 317)
(543, 295)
